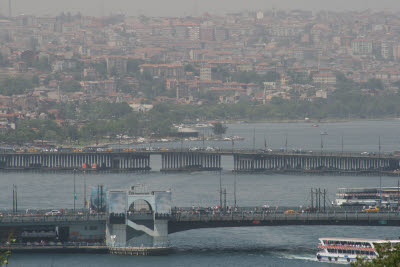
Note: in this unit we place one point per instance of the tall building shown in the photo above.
(166, 71)
(207, 34)
(205, 73)
(386, 50)
(221, 34)
(194, 33)
(181, 31)
(361, 47)
(116, 64)
(396, 52)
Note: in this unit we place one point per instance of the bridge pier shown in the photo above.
(138, 219)
(252, 162)
(118, 161)
(190, 161)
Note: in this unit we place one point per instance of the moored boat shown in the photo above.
(348, 249)
(368, 196)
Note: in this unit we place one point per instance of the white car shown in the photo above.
(53, 212)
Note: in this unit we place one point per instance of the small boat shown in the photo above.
(315, 125)
(348, 249)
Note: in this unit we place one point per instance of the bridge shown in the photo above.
(186, 160)
(183, 222)
(139, 223)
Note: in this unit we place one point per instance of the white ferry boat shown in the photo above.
(347, 249)
(367, 196)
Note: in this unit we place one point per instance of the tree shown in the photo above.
(70, 86)
(189, 68)
(374, 83)
(15, 85)
(272, 76)
(133, 65)
(388, 256)
(5, 255)
(219, 129)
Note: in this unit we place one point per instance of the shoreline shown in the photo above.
(328, 120)
(124, 143)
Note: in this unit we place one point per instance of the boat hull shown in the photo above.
(339, 258)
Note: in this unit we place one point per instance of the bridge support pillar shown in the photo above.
(138, 219)
(160, 237)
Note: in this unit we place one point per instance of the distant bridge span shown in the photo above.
(204, 160)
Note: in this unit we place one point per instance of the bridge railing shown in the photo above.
(275, 216)
(4, 246)
(51, 218)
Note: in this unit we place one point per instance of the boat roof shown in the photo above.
(359, 239)
(361, 188)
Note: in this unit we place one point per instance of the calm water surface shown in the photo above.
(256, 246)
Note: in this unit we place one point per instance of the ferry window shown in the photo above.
(92, 227)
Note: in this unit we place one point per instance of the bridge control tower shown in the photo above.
(136, 218)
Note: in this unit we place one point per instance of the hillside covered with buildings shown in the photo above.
(73, 77)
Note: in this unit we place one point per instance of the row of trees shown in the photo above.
(17, 85)
(49, 130)
(340, 105)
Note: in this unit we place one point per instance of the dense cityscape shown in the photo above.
(235, 138)
(85, 78)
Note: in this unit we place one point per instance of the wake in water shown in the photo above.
(299, 257)
(244, 250)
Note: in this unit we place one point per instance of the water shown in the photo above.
(245, 246)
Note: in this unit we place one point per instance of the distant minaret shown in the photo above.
(195, 8)
(9, 9)
(102, 8)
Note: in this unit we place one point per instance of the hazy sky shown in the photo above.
(184, 7)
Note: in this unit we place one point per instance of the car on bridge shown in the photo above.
(53, 212)
(201, 211)
(290, 212)
(372, 209)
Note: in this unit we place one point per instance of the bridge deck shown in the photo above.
(182, 222)
(33, 219)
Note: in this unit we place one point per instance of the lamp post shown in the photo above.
(84, 193)
(74, 189)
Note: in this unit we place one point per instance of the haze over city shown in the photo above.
(266, 124)
(184, 7)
